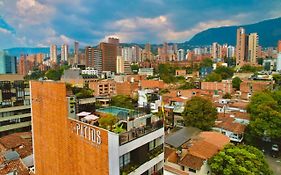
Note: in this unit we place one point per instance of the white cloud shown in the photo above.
(5, 31)
(33, 12)
(140, 23)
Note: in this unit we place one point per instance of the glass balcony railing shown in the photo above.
(139, 132)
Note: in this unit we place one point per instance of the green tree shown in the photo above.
(265, 112)
(225, 72)
(239, 160)
(212, 77)
(236, 81)
(187, 85)
(248, 68)
(227, 96)
(206, 63)
(107, 121)
(199, 112)
(135, 68)
(122, 101)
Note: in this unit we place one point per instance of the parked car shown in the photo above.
(274, 150)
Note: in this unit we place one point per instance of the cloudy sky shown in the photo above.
(35, 23)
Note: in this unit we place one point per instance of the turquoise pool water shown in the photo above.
(117, 111)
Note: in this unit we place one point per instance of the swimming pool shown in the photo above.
(122, 113)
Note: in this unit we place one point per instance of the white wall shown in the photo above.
(123, 149)
(113, 153)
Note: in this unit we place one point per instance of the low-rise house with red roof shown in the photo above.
(192, 157)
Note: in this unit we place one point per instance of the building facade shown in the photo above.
(109, 56)
(53, 53)
(15, 115)
(241, 46)
(93, 150)
(8, 64)
(253, 45)
(64, 52)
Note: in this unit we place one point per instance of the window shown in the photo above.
(192, 170)
(124, 160)
(152, 145)
(127, 159)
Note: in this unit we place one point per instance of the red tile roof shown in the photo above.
(174, 170)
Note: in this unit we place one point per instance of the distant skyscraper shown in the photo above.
(278, 64)
(109, 56)
(279, 46)
(230, 52)
(112, 40)
(253, 44)
(98, 59)
(147, 51)
(181, 55)
(241, 46)
(136, 53)
(89, 55)
(7, 63)
(64, 52)
(216, 50)
(120, 65)
(53, 53)
(127, 53)
(76, 52)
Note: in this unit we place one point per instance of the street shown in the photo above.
(274, 164)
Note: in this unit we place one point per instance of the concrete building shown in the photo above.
(241, 46)
(76, 53)
(64, 53)
(216, 50)
(230, 52)
(103, 88)
(279, 46)
(109, 56)
(253, 45)
(120, 65)
(53, 54)
(113, 40)
(138, 149)
(181, 55)
(15, 115)
(278, 63)
(146, 71)
(8, 64)
(223, 87)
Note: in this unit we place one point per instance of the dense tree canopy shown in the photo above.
(206, 63)
(122, 101)
(239, 160)
(265, 111)
(225, 72)
(212, 77)
(200, 112)
(236, 81)
(249, 68)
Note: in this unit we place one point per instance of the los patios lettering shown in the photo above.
(89, 133)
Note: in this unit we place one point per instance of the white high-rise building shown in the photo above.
(181, 55)
(230, 51)
(53, 53)
(120, 65)
(64, 52)
(127, 54)
(278, 64)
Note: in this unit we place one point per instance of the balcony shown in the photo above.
(139, 132)
(152, 158)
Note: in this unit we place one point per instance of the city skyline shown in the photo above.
(30, 23)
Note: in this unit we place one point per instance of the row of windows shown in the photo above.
(124, 160)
